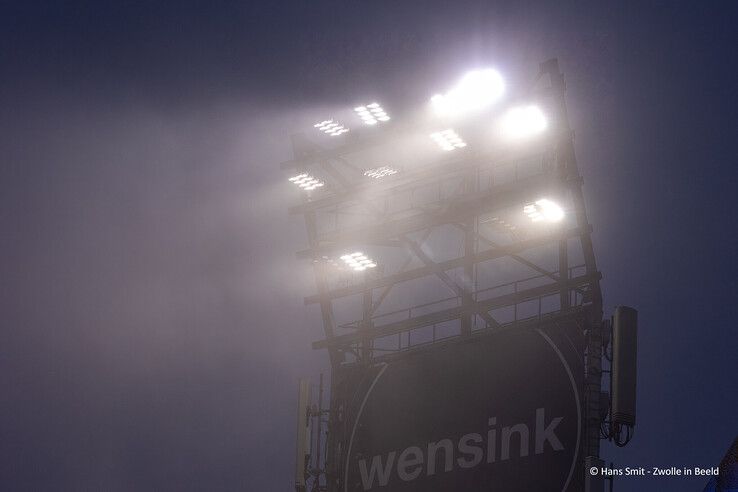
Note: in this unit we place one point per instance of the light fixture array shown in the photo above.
(307, 182)
(328, 261)
(544, 210)
(448, 139)
(501, 224)
(331, 128)
(371, 114)
(358, 261)
(380, 172)
(476, 90)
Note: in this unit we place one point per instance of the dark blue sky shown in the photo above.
(153, 328)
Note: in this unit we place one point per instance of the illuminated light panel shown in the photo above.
(307, 182)
(544, 210)
(502, 223)
(448, 140)
(380, 172)
(371, 114)
(358, 261)
(523, 122)
(328, 261)
(476, 90)
(331, 128)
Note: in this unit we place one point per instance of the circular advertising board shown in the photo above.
(496, 413)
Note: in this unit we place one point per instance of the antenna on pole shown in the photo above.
(623, 375)
(303, 435)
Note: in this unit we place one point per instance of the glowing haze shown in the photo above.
(153, 320)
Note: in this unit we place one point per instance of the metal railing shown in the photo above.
(520, 286)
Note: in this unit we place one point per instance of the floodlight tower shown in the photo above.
(487, 235)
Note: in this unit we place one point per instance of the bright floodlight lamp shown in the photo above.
(358, 261)
(307, 182)
(380, 172)
(476, 90)
(544, 210)
(448, 139)
(331, 128)
(371, 114)
(523, 122)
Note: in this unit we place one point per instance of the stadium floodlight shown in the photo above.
(544, 210)
(448, 139)
(306, 181)
(371, 114)
(523, 122)
(476, 90)
(331, 127)
(380, 172)
(328, 261)
(358, 261)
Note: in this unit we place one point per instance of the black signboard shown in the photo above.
(501, 412)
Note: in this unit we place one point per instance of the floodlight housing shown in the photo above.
(331, 128)
(358, 261)
(380, 172)
(307, 182)
(544, 210)
(476, 90)
(448, 139)
(523, 122)
(372, 113)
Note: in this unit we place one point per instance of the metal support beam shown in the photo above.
(564, 273)
(461, 209)
(393, 279)
(404, 265)
(366, 326)
(520, 259)
(569, 173)
(465, 293)
(453, 313)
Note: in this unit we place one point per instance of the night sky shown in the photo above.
(153, 329)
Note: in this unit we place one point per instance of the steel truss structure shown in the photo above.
(456, 255)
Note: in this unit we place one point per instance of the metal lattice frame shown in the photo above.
(461, 193)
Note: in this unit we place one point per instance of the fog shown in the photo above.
(153, 321)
